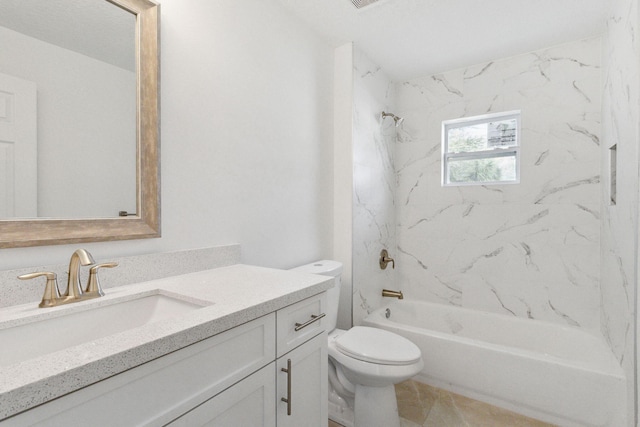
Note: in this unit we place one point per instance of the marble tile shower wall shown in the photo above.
(374, 184)
(620, 221)
(530, 249)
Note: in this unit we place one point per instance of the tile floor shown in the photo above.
(421, 405)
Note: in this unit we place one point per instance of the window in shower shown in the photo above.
(481, 150)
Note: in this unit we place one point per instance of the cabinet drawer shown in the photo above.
(161, 390)
(300, 322)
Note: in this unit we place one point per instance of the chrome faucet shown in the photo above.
(79, 257)
(74, 293)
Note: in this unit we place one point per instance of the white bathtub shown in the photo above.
(555, 373)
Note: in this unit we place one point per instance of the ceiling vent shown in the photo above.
(362, 3)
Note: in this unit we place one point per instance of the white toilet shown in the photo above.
(364, 364)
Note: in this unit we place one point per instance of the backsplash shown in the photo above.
(132, 269)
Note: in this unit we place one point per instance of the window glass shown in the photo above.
(483, 170)
(481, 149)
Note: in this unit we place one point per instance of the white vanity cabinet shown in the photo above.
(297, 380)
(234, 378)
(302, 364)
(161, 390)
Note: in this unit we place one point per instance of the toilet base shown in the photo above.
(376, 407)
(342, 415)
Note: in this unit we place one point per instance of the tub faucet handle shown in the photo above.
(386, 259)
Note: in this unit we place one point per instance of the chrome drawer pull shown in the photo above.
(287, 400)
(314, 318)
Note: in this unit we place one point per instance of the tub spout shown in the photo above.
(393, 294)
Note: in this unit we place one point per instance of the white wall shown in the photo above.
(619, 249)
(530, 249)
(343, 176)
(246, 138)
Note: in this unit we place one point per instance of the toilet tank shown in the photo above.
(327, 268)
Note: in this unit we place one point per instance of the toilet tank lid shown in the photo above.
(324, 267)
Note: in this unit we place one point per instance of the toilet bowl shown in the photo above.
(364, 364)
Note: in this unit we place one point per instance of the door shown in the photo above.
(18, 148)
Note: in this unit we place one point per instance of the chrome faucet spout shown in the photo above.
(79, 257)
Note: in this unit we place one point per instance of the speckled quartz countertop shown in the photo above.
(230, 296)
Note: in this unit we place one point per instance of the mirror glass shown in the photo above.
(79, 121)
(68, 105)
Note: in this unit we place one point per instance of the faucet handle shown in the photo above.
(93, 286)
(51, 291)
(386, 259)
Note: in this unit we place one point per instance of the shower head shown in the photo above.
(396, 119)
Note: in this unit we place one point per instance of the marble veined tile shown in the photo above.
(620, 110)
(371, 76)
(415, 400)
(374, 185)
(535, 261)
(620, 222)
(435, 91)
(529, 249)
(426, 406)
(421, 405)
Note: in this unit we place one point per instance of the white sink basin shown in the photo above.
(74, 324)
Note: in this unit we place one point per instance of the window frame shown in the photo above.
(478, 155)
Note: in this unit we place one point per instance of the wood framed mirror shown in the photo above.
(19, 231)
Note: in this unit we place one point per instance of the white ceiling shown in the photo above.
(407, 38)
(411, 38)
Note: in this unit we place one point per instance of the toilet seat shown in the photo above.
(377, 346)
(368, 373)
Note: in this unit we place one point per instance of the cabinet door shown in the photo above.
(307, 394)
(248, 403)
